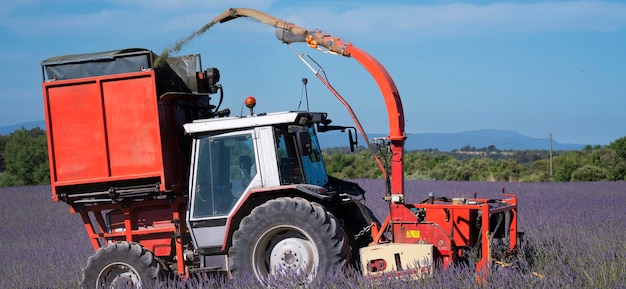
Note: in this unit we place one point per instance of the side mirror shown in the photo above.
(305, 145)
(353, 141)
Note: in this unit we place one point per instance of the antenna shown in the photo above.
(306, 93)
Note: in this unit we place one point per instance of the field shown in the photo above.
(575, 238)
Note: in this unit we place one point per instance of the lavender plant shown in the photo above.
(574, 239)
(41, 244)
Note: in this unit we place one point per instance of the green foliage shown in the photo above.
(539, 171)
(451, 170)
(565, 165)
(589, 173)
(24, 161)
(507, 170)
(352, 165)
(480, 169)
(419, 165)
(619, 146)
(25, 158)
(593, 163)
(619, 171)
(3, 143)
(8, 180)
(606, 158)
(610, 161)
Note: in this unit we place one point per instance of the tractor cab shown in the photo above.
(232, 156)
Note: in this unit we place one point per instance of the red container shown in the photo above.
(111, 130)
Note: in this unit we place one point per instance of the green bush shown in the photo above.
(589, 173)
(26, 159)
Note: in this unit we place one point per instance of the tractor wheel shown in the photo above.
(121, 265)
(288, 235)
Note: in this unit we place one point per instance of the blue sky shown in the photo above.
(535, 67)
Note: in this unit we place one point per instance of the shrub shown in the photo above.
(589, 173)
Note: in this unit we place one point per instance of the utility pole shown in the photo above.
(550, 154)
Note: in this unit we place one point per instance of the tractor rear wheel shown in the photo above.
(121, 265)
(288, 235)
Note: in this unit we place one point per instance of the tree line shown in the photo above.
(597, 163)
(24, 161)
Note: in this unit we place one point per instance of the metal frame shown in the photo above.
(406, 227)
(157, 225)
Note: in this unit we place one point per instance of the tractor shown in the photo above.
(167, 182)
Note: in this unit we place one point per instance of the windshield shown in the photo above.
(295, 168)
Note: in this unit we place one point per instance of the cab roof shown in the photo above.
(265, 119)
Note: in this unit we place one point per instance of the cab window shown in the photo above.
(224, 168)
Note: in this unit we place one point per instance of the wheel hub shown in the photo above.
(292, 254)
(118, 275)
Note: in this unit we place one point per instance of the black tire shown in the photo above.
(291, 234)
(121, 265)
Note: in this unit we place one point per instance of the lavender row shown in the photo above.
(41, 243)
(575, 238)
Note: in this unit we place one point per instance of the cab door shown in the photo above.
(223, 168)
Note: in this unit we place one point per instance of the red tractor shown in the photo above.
(166, 181)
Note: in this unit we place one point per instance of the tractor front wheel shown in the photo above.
(121, 265)
(288, 235)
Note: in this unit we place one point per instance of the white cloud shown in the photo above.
(375, 21)
(9, 7)
(460, 19)
(174, 8)
(123, 18)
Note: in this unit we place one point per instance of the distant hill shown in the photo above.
(6, 130)
(501, 139)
